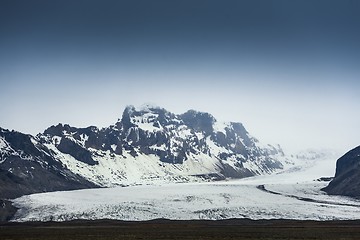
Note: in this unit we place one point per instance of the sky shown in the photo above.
(288, 70)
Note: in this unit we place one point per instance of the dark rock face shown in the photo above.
(79, 153)
(347, 177)
(200, 122)
(7, 210)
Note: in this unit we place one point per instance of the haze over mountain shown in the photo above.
(288, 70)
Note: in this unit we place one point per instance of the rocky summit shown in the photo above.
(145, 146)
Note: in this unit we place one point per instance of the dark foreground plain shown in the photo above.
(166, 229)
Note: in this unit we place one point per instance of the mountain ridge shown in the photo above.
(146, 145)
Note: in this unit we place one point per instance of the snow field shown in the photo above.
(210, 200)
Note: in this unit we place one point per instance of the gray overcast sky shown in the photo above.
(288, 70)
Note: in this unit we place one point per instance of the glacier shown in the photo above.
(291, 194)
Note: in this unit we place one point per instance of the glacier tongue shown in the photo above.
(292, 194)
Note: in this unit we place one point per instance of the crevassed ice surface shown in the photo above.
(214, 200)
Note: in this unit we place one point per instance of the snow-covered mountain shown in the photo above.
(147, 145)
(152, 144)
